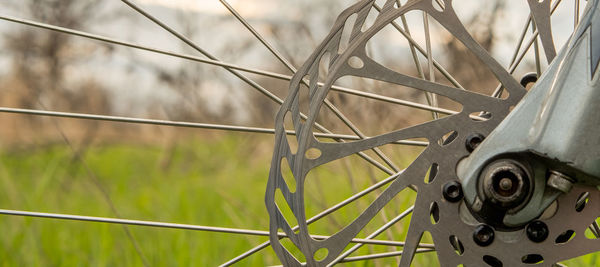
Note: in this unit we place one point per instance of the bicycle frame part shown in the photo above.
(554, 130)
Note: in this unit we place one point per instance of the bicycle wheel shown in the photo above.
(439, 109)
(461, 118)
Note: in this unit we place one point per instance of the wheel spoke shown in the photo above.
(260, 38)
(287, 63)
(142, 47)
(383, 255)
(431, 98)
(213, 59)
(423, 52)
(224, 64)
(239, 75)
(517, 59)
(221, 64)
(194, 227)
(322, 214)
(233, 128)
(103, 191)
(374, 234)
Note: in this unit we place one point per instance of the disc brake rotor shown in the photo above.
(458, 238)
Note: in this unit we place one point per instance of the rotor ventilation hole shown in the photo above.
(448, 138)
(532, 259)
(581, 201)
(284, 208)
(593, 231)
(312, 153)
(402, 3)
(304, 96)
(356, 62)
(480, 116)
(291, 248)
(288, 124)
(288, 176)
(565, 237)
(321, 254)
(346, 32)
(432, 173)
(439, 5)
(434, 213)
(492, 261)
(457, 245)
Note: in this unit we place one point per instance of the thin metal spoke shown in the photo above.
(374, 234)
(186, 226)
(320, 215)
(202, 51)
(515, 62)
(293, 69)
(413, 51)
(520, 41)
(223, 127)
(77, 155)
(220, 63)
(431, 98)
(142, 47)
(246, 254)
(423, 52)
(249, 27)
(244, 78)
(384, 255)
(379, 255)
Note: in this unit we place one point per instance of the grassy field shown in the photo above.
(216, 182)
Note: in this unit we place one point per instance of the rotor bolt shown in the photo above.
(473, 140)
(452, 191)
(483, 235)
(537, 231)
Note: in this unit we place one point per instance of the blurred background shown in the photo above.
(194, 176)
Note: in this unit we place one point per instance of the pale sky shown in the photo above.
(249, 8)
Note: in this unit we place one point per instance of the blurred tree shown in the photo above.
(45, 64)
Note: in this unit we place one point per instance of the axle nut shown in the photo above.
(505, 183)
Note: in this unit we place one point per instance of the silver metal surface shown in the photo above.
(231, 128)
(557, 121)
(63, 216)
(510, 248)
(412, 176)
(560, 181)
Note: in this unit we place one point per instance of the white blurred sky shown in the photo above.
(254, 8)
(215, 29)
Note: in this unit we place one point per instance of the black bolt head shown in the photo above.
(452, 191)
(483, 235)
(473, 140)
(537, 231)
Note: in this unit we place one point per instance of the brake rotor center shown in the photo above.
(505, 183)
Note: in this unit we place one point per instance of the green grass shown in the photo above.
(215, 182)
